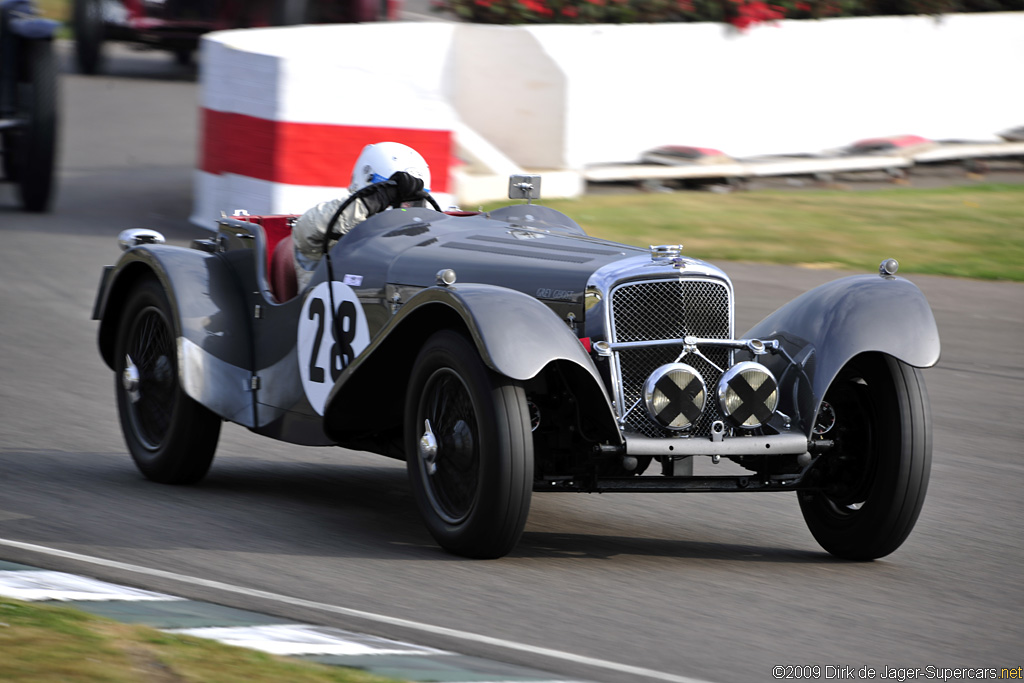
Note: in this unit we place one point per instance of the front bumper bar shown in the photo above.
(777, 444)
(655, 484)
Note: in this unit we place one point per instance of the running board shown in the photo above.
(655, 484)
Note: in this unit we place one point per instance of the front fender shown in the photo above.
(516, 335)
(34, 28)
(823, 329)
(25, 22)
(208, 314)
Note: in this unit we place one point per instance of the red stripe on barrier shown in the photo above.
(316, 154)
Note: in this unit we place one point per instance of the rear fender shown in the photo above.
(208, 313)
(516, 335)
(823, 329)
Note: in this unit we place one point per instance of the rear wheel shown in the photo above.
(88, 24)
(469, 449)
(290, 12)
(369, 10)
(874, 480)
(183, 56)
(171, 438)
(32, 149)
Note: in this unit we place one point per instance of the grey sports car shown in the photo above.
(505, 353)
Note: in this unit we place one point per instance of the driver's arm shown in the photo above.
(311, 227)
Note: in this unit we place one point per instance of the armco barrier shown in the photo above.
(286, 110)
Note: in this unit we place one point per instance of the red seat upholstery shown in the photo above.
(283, 283)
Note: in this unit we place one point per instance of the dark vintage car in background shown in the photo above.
(28, 102)
(505, 353)
(177, 25)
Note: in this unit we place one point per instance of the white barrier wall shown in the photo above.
(800, 86)
(286, 110)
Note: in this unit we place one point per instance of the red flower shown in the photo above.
(537, 6)
(754, 12)
(570, 11)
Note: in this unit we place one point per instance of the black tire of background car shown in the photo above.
(477, 502)
(8, 143)
(35, 145)
(369, 10)
(290, 12)
(87, 19)
(876, 478)
(184, 56)
(172, 439)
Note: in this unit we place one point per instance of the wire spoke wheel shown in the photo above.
(872, 483)
(171, 437)
(469, 449)
(454, 483)
(149, 365)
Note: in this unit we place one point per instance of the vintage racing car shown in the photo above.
(508, 352)
(28, 102)
(177, 25)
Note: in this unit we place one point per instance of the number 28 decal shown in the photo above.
(329, 340)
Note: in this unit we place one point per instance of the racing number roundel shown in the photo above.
(327, 347)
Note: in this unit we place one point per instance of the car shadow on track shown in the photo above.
(372, 507)
(335, 511)
(556, 545)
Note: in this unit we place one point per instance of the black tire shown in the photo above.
(183, 56)
(369, 10)
(476, 501)
(7, 148)
(87, 17)
(33, 148)
(875, 479)
(290, 12)
(171, 438)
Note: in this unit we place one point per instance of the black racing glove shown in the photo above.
(407, 185)
(400, 187)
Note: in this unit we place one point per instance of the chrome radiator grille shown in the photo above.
(668, 309)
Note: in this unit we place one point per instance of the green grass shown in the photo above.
(972, 232)
(43, 643)
(55, 9)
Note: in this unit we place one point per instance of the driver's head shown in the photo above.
(378, 161)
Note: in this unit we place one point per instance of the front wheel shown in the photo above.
(873, 481)
(469, 449)
(33, 148)
(172, 438)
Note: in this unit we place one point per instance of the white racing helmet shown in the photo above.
(377, 162)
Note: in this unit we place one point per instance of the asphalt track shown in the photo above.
(709, 587)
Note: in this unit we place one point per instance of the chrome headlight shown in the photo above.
(748, 394)
(674, 395)
(133, 237)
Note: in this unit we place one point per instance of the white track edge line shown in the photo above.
(368, 616)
